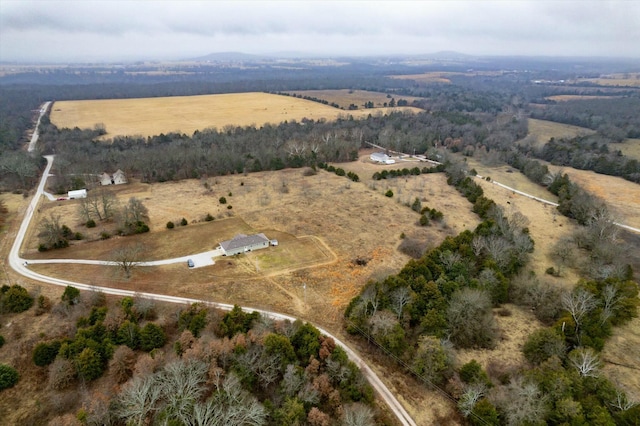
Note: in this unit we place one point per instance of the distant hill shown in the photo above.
(229, 57)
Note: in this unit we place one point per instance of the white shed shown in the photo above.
(382, 158)
(80, 193)
(119, 177)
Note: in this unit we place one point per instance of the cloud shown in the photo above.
(115, 29)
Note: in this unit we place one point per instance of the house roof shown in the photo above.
(242, 240)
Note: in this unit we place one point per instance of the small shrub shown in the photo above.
(8, 376)
(389, 193)
(71, 295)
(78, 236)
(424, 220)
(105, 235)
(15, 299)
(1, 340)
(183, 222)
(90, 223)
(43, 304)
(230, 194)
(42, 247)
(209, 218)
(170, 225)
(222, 200)
(229, 207)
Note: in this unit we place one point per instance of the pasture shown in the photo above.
(346, 97)
(565, 98)
(186, 114)
(617, 79)
(540, 131)
(629, 147)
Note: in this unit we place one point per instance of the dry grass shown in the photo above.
(623, 196)
(618, 79)
(565, 98)
(540, 131)
(443, 76)
(346, 97)
(630, 148)
(186, 114)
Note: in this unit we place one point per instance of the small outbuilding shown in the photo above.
(242, 243)
(382, 158)
(118, 178)
(80, 193)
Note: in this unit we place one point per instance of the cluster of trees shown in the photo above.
(447, 292)
(563, 382)
(238, 368)
(97, 340)
(590, 153)
(339, 171)
(311, 98)
(615, 118)
(99, 205)
(415, 171)
(195, 365)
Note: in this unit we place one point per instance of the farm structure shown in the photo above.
(80, 193)
(382, 158)
(118, 178)
(242, 243)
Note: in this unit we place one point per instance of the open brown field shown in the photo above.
(442, 76)
(630, 148)
(540, 131)
(186, 114)
(564, 98)
(619, 79)
(623, 196)
(346, 97)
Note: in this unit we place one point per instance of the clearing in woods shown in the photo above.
(186, 114)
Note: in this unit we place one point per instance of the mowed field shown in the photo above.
(186, 114)
(346, 97)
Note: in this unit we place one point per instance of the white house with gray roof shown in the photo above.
(243, 243)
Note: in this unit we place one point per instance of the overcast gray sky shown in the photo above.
(131, 30)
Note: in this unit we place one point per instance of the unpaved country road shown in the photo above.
(20, 266)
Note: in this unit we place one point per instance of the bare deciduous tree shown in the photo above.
(357, 415)
(128, 257)
(470, 397)
(586, 361)
(578, 302)
(400, 297)
(138, 400)
(470, 318)
(522, 402)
